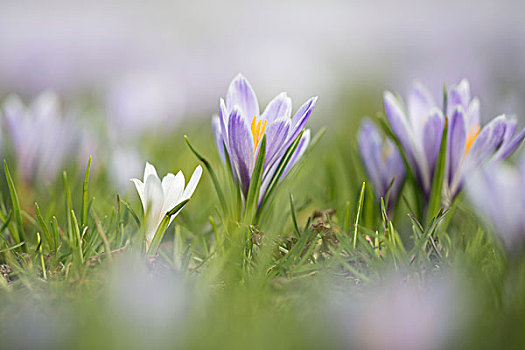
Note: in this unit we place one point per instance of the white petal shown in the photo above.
(194, 181)
(139, 185)
(173, 187)
(154, 199)
(150, 170)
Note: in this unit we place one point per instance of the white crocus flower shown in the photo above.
(160, 197)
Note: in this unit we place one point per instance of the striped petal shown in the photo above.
(456, 143)
(432, 133)
(278, 108)
(241, 148)
(301, 117)
(241, 94)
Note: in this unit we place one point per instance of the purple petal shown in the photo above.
(241, 148)
(510, 141)
(241, 94)
(458, 95)
(300, 118)
(396, 170)
(370, 150)
(473, 114)
(276, 137)
(456, 143)
(278, 108)
(217, 135)
(488, 140)
(420, 103)
(399, 123)
(432, 133)
(223, 115)
(301, 148)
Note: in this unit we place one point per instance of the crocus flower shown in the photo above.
(160, 197)
(241, 126)
(419, 130)
(469, 145)
(497, 191)
(42, 137)
(382, 161)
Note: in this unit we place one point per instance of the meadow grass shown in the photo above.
(74, 271)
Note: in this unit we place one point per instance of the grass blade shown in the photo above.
(18, 233)
(358, 215)
(84, 213)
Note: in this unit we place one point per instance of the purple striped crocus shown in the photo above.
(240, 126)
(419, 129)
(469, 145)
(382, 161)
(497, 191)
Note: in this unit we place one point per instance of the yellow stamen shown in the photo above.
(257, 131)
(471, 137)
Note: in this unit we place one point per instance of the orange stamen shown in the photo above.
(257, 131)
(471, 137)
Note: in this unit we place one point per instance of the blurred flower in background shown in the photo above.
(143, 101)
(382, 161)
(72, 46)
(469, 145)
(497, 191)
(42, 137)
(419, 129)
(402, 314)
(148, 304)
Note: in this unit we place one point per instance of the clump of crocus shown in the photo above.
(43, 138)
(419, 130)
(241, 131)
(382, 162)
(497, 191)
(163, 200)
(469, 145)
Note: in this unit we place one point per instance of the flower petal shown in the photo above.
(300, 118)
(456, 139)
(278, 108)
(241, 148)
(458, 95)
(399, 123)
(301, 148)
(432, 133)
(173, 187)
(194, 181)
(139, 185)
(420, 103)
(488, 140)
(510, 141)
(472, 114)
(370, 150)
(241, 94)
(154, 201)
(150, 170)
(276, 137)
(217, 135)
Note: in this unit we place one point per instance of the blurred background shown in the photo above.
(123, 81)
(162, 61)
(138, 67)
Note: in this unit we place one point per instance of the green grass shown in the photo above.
(74, 271)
